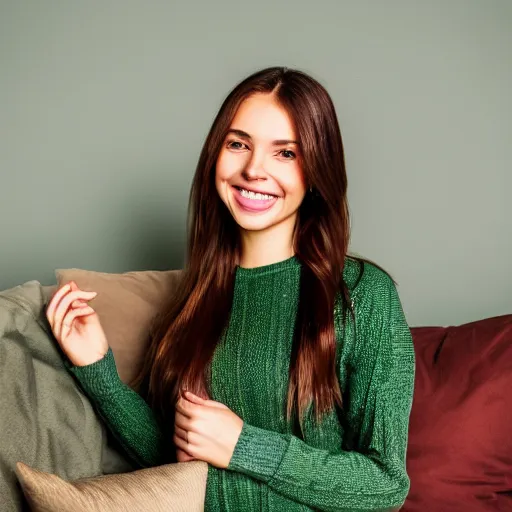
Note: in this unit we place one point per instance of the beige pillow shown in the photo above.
(167, 488)
(126, 304)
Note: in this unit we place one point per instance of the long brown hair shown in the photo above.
(191, 325)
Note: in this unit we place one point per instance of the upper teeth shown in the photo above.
(255, 195)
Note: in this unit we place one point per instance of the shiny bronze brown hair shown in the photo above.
(191, 325)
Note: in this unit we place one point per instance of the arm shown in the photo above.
(128, 416)
(373, 476)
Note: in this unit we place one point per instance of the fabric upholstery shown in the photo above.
(169, 488)
(126, 304)
(45, 420)
(460, 438)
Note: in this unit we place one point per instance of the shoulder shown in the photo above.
(365, 280)
(371, 290)
(380, 322)
(373, 294)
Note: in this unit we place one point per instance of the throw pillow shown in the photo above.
(168, 488)
(126, 304)
(460, 448)
(45, 420)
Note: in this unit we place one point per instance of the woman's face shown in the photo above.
(258, 173)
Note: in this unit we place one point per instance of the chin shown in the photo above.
(253, 224)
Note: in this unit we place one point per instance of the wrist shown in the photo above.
(81, 361)
(100, 377)
(258, 452)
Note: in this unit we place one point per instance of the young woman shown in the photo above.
(282, 362)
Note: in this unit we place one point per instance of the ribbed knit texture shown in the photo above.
(353, 463)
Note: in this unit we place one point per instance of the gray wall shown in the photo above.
(104, 107)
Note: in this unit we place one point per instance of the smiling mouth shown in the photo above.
(258, 196)
(254, 202)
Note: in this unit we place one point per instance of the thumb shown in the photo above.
(201, 401)
(195, 399)
(217, 405)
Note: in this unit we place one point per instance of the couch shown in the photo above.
(460, 439)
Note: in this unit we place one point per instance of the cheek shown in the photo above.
(294, 182)
(227, 165)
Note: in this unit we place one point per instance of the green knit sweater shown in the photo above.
(352, 462)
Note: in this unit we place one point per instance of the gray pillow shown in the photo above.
(45, 420)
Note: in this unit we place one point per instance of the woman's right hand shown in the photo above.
(76, 326)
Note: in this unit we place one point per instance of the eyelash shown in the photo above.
(229, 145)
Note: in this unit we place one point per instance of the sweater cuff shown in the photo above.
(99, 378)
(258, 452)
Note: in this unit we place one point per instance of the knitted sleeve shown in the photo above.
(372, 476)
(127, 415)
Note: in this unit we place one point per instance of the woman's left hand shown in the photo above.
(206, 430)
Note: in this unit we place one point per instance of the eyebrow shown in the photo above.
(245, 135)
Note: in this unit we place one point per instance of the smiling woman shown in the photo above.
(284, 363)
(259, 176)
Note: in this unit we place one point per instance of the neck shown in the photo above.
(268, 246)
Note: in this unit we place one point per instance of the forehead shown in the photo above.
(263, 118)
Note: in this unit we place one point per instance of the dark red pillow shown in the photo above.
(460, 437)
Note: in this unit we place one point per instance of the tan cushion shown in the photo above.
(126, 304)
(168, 488)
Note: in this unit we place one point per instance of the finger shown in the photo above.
(75, 287)
(185, 407)
(68, 299)
(195, 399)
(216, 405)
(50, 311)
(181, 421)
(79, 304)
(64, 305)
(67, 323)
(181, 444)
(183, 456)
(181, 432)
(188, 448)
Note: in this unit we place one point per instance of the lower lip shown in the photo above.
(253, 205)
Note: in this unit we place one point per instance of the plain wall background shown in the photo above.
(104, 107)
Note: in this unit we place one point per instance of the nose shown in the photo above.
(254, 169)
